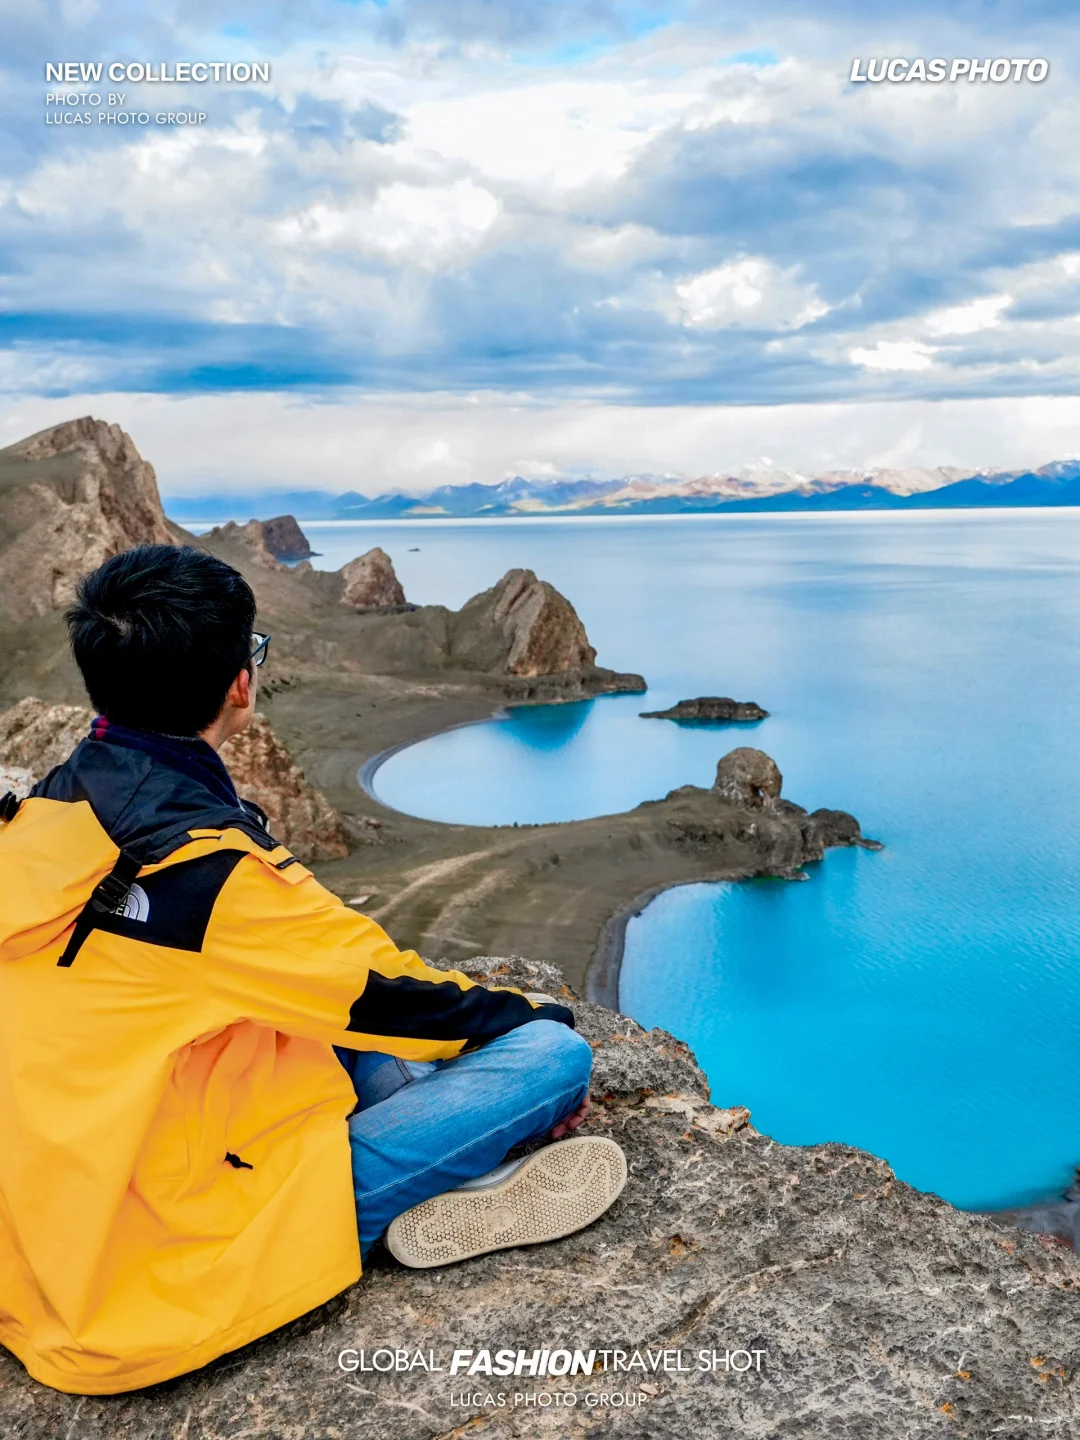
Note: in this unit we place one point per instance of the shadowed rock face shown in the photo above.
(70, 497)
(285, 540)
(521, 626)
(883, 1313)
(35, 736)
(748, 777)
(369, 582)
(709, 708)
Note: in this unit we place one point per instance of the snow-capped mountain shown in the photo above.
(758, 487)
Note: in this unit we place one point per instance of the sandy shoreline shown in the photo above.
(365, 776)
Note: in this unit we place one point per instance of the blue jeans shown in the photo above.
(420, 1129)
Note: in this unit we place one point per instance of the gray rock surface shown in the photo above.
(710, 709)
(881, 1313)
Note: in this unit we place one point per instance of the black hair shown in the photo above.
(160, 633)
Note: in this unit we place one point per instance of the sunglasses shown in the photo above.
(261, 644)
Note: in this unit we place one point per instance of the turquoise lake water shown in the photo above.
(921, 671)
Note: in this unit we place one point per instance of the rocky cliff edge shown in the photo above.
(867, 1309)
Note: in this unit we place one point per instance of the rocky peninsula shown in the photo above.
(880, 1311)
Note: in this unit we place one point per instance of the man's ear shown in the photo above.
(240, 690)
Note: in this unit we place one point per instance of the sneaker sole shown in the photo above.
(560, 1189)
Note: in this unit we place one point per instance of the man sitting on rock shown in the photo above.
(185, 1162)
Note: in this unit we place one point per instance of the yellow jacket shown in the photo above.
(175, 1173)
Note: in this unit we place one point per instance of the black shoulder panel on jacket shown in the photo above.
(173, 907)
(145, 807)
(441, 1010)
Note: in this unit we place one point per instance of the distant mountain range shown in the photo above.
(758, 489)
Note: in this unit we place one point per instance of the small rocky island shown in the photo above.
(710, 710)
(879, 1311)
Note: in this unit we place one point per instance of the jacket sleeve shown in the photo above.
(281, 950)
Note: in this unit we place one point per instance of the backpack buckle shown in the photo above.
(109, 894)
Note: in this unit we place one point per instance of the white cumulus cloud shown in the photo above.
(747, 292)
(429, 226)
(969, 319)
(893, 355)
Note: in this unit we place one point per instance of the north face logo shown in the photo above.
(136, 905)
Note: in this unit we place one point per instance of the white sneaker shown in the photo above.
(559, 1189)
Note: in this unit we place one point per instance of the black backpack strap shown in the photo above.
(108, 897)
(9, 807)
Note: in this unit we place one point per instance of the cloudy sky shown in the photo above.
(455, 241)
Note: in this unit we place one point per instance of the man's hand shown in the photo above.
(564, 1127)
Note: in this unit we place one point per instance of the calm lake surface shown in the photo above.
(921, 671)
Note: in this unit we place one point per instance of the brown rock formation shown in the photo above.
(370, 583)
(877, 1311)
(521, 635)
(70, 497)
(300, 816)
(35, 736)
(710, 708)
(521, 626)
(748, 777)
(251, 536)
(267, 542)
